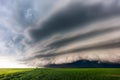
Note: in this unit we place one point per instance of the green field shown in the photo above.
(60, 74)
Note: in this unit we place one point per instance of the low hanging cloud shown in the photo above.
(77, 30)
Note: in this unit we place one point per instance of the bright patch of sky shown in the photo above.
(10, 62)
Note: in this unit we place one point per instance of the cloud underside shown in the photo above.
(84, 64)
(77, 31)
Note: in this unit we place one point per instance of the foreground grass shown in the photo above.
(61, 74)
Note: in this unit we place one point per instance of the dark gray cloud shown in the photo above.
(78, 30)
(69, 17)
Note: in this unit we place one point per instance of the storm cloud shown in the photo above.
(74, 14)
(78, 30)
(60, 32)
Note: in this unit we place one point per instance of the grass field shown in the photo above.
(60, 74)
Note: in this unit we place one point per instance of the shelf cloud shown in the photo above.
(78, 30)
(56, 32)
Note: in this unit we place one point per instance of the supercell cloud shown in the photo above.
(65, 31)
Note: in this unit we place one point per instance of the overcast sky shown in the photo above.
(43, 32)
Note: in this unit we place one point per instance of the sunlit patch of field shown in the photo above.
(60, 74)
(13, 70)
(10, 73)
